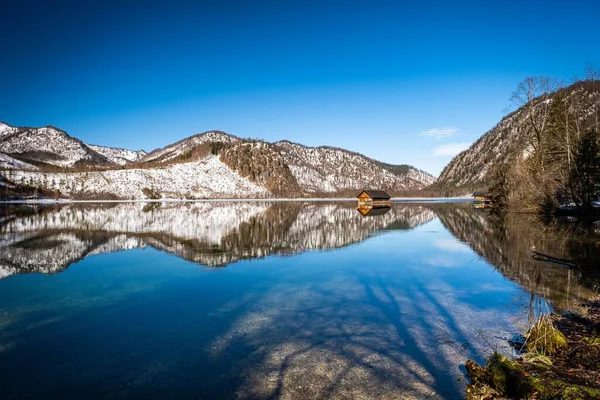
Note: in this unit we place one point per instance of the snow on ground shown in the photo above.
(6, 130)
(200, 179)
(118, 156)
(60, 149)
(327, 169)
(421, 176)
(7, 161)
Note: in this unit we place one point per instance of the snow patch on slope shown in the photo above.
(6, 130)
(9, 162)
(117, 155)
(508, 141)
(207, 178)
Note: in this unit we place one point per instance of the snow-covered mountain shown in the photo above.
(329, 169)
(117, 155)
(208, 233)
(47, 145)
(211, 164)
(183, 147)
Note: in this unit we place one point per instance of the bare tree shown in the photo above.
(533, 94)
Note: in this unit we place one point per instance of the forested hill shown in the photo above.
(548, 123)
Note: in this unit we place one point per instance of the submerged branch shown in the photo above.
(555, 260)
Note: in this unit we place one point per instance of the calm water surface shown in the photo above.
(268, 300)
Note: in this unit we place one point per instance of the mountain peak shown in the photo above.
(184, 146)
(48, 145)
(6, 130)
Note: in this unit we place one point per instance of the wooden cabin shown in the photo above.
(482, 198)
(373, 198)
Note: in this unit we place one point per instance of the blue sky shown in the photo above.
(401, 81)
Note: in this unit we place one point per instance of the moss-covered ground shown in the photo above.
(560, 360)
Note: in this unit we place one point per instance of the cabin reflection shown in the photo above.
(369, 211)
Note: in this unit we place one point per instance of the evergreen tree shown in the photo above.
(585, 176)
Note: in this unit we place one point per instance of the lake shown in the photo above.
(269, 300)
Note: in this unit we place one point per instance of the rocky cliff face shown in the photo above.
(212, 164)
(263, 164)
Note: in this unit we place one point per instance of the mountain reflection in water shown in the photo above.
(49, 239)
(210, 234)
(399, 301)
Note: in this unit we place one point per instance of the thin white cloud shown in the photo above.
(451, 245)
(440, 133)
(442, 262)
(451, 149)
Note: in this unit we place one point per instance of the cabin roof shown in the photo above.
(376, 194)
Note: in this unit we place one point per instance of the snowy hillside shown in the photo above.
(263, 164)
(421, 176)
(327, 169)
(181, 147)
(48, 145)
(119, 156)
(206, 178)
(8, 162)
(6, 130)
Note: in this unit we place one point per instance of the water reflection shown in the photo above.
(370, 210)
(210, 234)
(391, 311)
(49, 239)
(509, 242)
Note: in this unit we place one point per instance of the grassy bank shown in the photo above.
(560, 359)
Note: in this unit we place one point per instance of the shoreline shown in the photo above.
(558, 357)
(292, 199)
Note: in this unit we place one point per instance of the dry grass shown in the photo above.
(543, 338)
